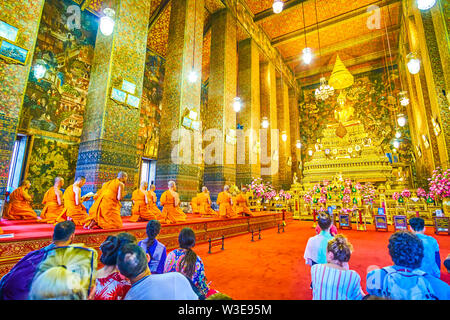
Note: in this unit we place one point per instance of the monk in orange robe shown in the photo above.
(144, 204)
(242, 204)
(204, 204)
(152, 200)
(74, 209)
(18, 207)
(170, 200)
(53, 202)
(225, 204)
(105, 212)
(194, 205)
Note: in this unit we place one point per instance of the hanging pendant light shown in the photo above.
(193, 76)
(403, 98)
(413, 63)
(401, 120)
(298, 144)
(324, 91)
(265, 122)
(284, 136)
(237, 104)
(398, 134)
(39, 69)
(107, 22)
(277, 6)
(425, 4)
(307, 54)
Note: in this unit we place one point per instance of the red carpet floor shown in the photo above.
(274, 268)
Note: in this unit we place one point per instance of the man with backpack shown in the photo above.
(15, 285)
(404, 280)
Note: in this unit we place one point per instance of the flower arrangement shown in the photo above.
(307, 198)
(347, 190)
(396, 196)
(406, 193)
(323, 190)
(347, 210)
(368, 193)
(421, 193)
(326, 183)
(358, 186)
(262, 189)
(323, 199)
(284, 195)
(346, 199)
(439, 184)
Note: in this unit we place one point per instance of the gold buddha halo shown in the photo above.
(340, 78)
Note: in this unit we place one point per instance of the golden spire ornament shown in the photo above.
(340, 78)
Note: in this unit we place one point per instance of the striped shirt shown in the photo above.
(334, 284)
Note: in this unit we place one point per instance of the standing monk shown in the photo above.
(18, 207)
(142, 205)
(170, 200)
(242, 204)
(105, 212)
(204, 204)
(73, 203)
(53, 202)
(225, 205)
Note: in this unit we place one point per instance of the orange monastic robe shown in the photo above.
(145, 211)
(225, 208)
(19, 207)
(76, 213)
(106, 208)
(241, 205)
(204, 206)
(52, 209)
(170, 212)
(194, 205)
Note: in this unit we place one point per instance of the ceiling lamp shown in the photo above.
(396, 144)
(310, 152)
(277, 6)
(298, 144)
(237, 104)
(398, 134)
(401, 120)
(265, 122)
(307, 55)
(324, 91)
(403, 98)
(413, 63)
(192, 76)
(39, 69)
(107, 22)
(340, 78)
(425, 4)
(284, 136)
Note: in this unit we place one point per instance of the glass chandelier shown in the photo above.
(324, 91)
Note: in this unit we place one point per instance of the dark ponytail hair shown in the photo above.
(152, 230)
(111, 246)
(341, 248)
(186, 239)
(324, 221)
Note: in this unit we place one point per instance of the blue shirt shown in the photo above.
(158, 254)
(316, 248)
(429, 261)
(375, 280)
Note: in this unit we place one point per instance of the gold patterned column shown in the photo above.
(184, 54)
(24, 15)
(110, 132)
(285, 162)
(249, 117)
(221, 92)
(295, 133)
(270, 158)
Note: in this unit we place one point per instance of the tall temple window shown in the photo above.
(148, 171)
(16, 168)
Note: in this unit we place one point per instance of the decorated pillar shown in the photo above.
(220, 163)
(269, 141)
(285, 160)
(249, 118)
(24, 15)
(109, 139)
(295, 134)
(181, 101)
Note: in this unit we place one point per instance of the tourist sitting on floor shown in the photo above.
(404, 280)
(15, 285)
(133, 264)
(186, 261)
(316, 247)
(431, 262)
(155, 249)
(334, 280)
(67, 273)
(447, 263)
(110, 284)
(19, 205)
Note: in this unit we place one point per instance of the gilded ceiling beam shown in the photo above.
(348, 63)
(158, 12)
(332, 22)
(240, 11)
(269, 12)
(353, 42)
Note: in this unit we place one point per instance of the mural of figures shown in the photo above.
(148, 140)
(49, 159)
(56, 102)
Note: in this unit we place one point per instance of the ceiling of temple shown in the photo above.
(341, 27)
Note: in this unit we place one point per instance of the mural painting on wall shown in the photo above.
(50, 159)
(148, 140)
(56, 102)
(372, 100)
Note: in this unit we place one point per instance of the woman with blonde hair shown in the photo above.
(334, 280)
(67, 273)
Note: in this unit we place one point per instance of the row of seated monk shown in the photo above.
(105, 211)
